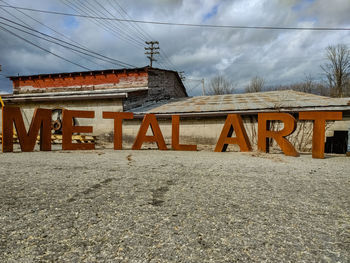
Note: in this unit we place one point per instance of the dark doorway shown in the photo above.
(338, 143)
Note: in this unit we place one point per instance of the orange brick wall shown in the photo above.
(80, 82)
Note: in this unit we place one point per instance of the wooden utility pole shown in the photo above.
(182, 75)
(203, 90)
(153, 47)
(1, 101)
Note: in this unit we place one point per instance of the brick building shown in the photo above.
(102, 90)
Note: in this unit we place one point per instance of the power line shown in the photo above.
(69, 39)
(109, 13)
(134, 28)
(117, 32)
(64, 36)
(102, 24)
(54, 42)
(142, 32)
(33, 28)
(48, 51)
(9, 13)
(40, 24)
(95, 55)
(143, 35)
(187, 24)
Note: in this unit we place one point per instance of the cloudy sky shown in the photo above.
(279, 56)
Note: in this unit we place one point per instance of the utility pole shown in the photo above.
(182, 75)
(203, 90)
(1, 101)
(153, 47)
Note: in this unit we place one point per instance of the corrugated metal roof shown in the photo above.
(72, 95)
(286, 100)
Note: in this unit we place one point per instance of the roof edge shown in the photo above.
(103, 71)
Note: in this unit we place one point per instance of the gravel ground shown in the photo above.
(156, 206)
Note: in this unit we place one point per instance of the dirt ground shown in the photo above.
(166, 206)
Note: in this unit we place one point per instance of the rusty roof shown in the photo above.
(271, 101)
(71, 95)
(90, 72)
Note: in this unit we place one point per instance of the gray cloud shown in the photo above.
(281, 57)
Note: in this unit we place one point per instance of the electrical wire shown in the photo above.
(33, 28)
(110, 14)
(105, 24)
(44, 49)
(62, 45)
(142, 33)
(95, 55)
(99, 23)
(64, 36)
(187, 24)
(73, 41)
(193, 88)
(9, 13)
(96, 10)
(166, 59)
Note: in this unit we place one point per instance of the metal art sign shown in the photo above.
(41, 122)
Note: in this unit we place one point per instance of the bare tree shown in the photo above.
(308, 85)
(337, 70)
(220, 85)
(256, 85)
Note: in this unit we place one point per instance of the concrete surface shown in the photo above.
(154, 206)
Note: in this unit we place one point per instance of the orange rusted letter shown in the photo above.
(318, 137)
(41, 121)
(264, 133)
(149, 120)
(118, 122)
(68, 129)
(233, 122)
(175, 136)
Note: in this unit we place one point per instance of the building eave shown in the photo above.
(79, 73)
(242, 112)
(72, 95)
(64, 98)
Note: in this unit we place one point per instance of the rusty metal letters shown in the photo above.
(233, 123)
(279, 136)
(118, 122)
(175, 136)
(318, 137)
(68, 129)
(41, 121)
(149, 120)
